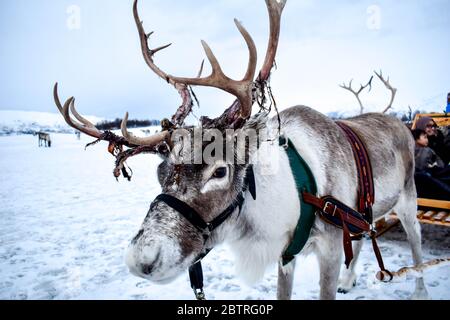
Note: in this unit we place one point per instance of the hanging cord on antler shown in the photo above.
(122, 157)
(197, 102)
(265, 99)
(116, 143)
(194, 96)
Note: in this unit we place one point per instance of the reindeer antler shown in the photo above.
(187, 103)
(357, 93)
(389, 87)
(235, 116)
(88, 128)
(275, 9)
(241, 89)
(232, 116)
(116, 143)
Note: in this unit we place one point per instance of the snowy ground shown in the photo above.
(12, 122)
(65, 223)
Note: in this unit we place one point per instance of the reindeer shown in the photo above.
(258, 229)
(44, 139)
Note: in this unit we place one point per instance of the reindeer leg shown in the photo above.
(348, 280)
(407, 212)
(329, 254)
(285, 280)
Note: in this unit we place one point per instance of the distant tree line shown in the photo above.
(407, 117)
(115, 124)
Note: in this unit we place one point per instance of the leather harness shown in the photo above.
(353, 223)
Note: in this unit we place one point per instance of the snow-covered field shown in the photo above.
(12, 122)
(65, 224)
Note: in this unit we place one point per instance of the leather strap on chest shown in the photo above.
(366, 190)
(353, 223)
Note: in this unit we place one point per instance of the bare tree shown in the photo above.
(410, 114)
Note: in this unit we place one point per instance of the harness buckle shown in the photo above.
(199, 294)
(327, 205)
(207, 231)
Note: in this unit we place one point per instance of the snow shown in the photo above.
(27, 122)
(66, 222)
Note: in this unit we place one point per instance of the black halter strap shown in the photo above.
(206, 228)
(194, 217)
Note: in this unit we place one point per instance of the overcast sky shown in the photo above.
(92, 49)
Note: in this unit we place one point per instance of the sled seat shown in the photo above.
(434, 212)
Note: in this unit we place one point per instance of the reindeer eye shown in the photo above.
(220, 173)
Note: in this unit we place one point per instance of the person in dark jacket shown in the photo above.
(426, 158)
(436, 139)
(432, 176)
(448, 104)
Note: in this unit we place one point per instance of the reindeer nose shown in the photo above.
(142, 265)
(147, 268)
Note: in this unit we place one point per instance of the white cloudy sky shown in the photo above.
(323, 43)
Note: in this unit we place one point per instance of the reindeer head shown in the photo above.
(201, 185)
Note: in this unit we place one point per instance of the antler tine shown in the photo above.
(91, 131)
(201, 69)
(389, 87)
(56, 98)
(349, 87)
(236, 115)
(369, 84)
(240, 89)
(275, 9)
(83, 120)
(357, 93)
(151, 141)
(253, 58)
(187, 103)
(215, 65)
(146, 51)
(86, 127)
(217, 78)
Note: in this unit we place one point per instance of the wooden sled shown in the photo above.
(436, 212)
(441, 119)
(430, 211)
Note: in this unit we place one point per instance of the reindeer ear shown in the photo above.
(257, 123)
